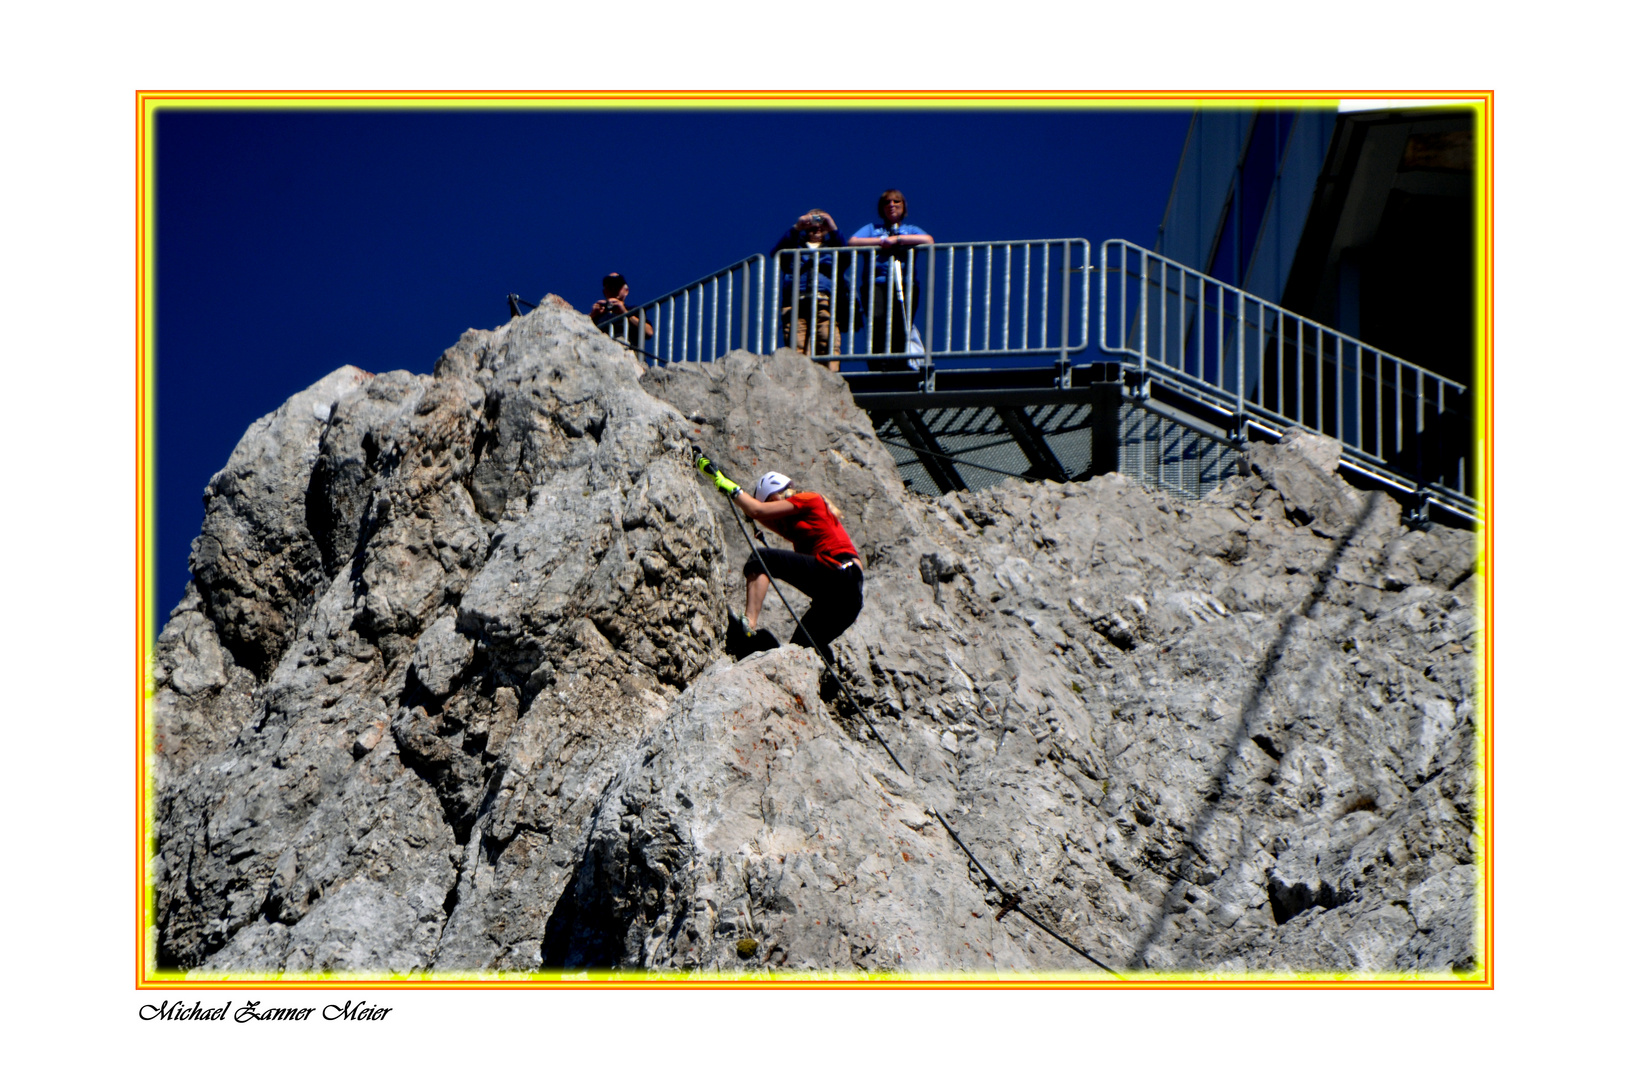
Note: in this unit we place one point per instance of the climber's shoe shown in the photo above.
(741, 642)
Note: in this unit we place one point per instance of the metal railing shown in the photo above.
(1022, 298)
(813, 293)
(979, 302)
(1269, 367)
(964, 303)
(992, 306)
(704, 320)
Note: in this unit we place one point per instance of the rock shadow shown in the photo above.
(1265, 674)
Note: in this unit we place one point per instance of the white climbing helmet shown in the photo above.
(769, 484)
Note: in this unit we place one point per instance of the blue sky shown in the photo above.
(291, 243)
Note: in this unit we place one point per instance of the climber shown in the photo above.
(823, 564)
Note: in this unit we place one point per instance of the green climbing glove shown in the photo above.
(720, 480)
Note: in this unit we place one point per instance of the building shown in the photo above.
(1358, 218)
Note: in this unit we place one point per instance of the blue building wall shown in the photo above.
(1242, 193)
(1205, 175)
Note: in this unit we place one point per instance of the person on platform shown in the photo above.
(817, 279)
(892, 280)
(611, 314)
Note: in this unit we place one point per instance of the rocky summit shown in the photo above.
(447, 693)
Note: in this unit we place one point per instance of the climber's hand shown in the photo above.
(720, 480)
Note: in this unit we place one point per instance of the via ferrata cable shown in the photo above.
(1010, 901)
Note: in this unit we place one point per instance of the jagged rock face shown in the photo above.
(1256, 736)
(442, 719)
(751, 829)
(447, 694)
(255, 564)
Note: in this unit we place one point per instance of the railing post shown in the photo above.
(1105, 271)
(1064, 321)
(894, 287)
(928, 326)
(746, 279)
(1143, 314)
(713, 321)
(1103, 297)
(871, 302)
(854, 286)
(774, 310)
(990, 266)
(758, 308)
(1420, 426)
(747, 305)
(1239, 361)
(1086, 295)
(794, 303)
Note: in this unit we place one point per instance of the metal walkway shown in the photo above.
(966, 440)
(1004, 378)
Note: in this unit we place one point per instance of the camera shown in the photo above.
(817, 221)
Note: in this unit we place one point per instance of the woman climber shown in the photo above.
(823, 564)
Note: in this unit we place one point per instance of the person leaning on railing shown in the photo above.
(889, 279)
(819, 277)
(611, 313)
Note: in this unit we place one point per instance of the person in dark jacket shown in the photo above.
(810, 283)
(610, 314)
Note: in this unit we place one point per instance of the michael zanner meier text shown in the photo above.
(180, 1010)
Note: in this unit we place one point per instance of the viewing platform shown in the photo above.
(1003, 375)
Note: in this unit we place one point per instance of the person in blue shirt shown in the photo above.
(892, 282)
(819, 279)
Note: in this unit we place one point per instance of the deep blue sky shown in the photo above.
(290, 244)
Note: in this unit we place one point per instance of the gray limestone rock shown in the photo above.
(749, 830)
(255, 564)
(447, 695)
(441, 655)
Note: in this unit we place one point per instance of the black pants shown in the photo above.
(837, 595)
(886, 338)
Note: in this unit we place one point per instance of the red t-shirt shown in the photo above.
(813, 530)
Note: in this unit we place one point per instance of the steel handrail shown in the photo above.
(1230, 346)
(1222, 355)
(1025, 304)
(679, 337)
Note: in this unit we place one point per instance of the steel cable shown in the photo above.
(1010, 902)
